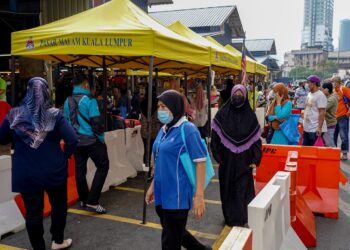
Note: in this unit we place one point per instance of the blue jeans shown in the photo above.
(342, 129)
(309, 138)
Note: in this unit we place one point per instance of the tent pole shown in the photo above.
(186, 85)
(13, 80)
(148, 148)
(105, 91)
(209, 103)
(254, 103)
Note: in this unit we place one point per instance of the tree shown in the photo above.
(324, 70)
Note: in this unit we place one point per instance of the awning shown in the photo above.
(118, 30)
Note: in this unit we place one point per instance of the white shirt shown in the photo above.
(314, 102)
(301, 95)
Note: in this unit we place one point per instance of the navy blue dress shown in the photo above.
(45, 167)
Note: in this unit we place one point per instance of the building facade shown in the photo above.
(344, 35)
(318, 24)
(342, 58)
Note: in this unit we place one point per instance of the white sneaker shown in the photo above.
(64, 245)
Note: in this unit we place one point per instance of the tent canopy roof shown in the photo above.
(221, 60)
(119, 30)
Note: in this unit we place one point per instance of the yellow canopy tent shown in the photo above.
(221, 60)
(118, 31)
(252, 66)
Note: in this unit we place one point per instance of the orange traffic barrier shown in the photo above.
(72, 193)
(20, 203)
(302, 218)
(318, 174)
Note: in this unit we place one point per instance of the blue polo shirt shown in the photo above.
(172, 188)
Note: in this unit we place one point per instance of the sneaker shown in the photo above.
(98, 209)
(64, 245)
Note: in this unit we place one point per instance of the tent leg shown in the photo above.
(13, 81)
(254, 102)
(105, 92)
(209, 103)
(186, 85)
(148, 148)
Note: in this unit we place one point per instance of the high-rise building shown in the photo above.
(344, 35)
(318, 24)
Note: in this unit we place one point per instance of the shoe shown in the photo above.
(64, 245)
(344, 157)
(98, 209)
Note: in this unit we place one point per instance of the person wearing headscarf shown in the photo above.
(236, 146)
(226, 93)
(279, 110)
(200, 105)
(39, 164)
(331, 109)
(171, 190)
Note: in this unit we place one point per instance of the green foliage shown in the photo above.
(324, 71)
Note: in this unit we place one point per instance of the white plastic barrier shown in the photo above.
(119, 167)
(134, 147)
(11, 219)
(239, 238)
(213, 112)
(260, 114)
(269, 217)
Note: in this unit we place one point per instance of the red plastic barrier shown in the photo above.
(318, 174)
(302, 218)
(296, 111)
(131, 123)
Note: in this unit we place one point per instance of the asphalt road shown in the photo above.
(121, 228)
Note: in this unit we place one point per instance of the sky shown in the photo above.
(278, 19)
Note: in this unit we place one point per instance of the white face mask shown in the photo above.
(307, 86)
(8, 83)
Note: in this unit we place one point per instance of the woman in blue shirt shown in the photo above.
(38, 163)
(280, 109)
(171, 189)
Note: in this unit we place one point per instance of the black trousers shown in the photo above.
(34, 204)
(98, 154)
(174, 234)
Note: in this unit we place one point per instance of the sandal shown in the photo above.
(344, 157)
(99, 209)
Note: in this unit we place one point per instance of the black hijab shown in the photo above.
(175, 103)
(238, 128)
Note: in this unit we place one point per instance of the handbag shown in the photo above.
(290, 129)
(319, 142)
(190, 166)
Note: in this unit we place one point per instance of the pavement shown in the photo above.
(121, 227)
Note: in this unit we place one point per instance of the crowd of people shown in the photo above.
(37, 129)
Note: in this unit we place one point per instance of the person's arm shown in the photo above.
(5, 132)
(198, 200)
(150, 194)
(257, 153)
(69, 136)
(95, 117)
(215, 146)
(283, 112)
(322, 114)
